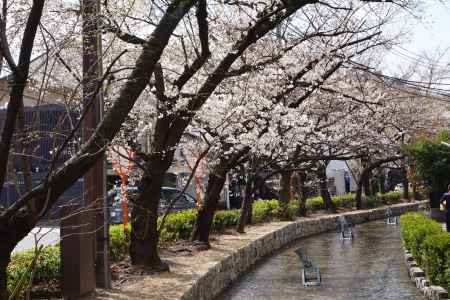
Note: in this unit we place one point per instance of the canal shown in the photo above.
(369, 267)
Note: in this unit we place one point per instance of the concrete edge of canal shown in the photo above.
(219, 276)
(417, 276)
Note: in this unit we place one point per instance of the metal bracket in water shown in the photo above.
(310, 273)
(346, 228)
(390, 218)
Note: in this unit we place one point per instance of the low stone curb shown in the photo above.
(417, 276)
(225, 272)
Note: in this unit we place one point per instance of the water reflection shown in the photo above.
(369, 267)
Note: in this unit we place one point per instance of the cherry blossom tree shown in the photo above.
(180, 90)
(17, 220)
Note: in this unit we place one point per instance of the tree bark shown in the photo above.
(366, 184)
(415, 194)
(203, 223)
(4, 261)
(250, 211)
(359, 190)
(285, 193)
(216, 181)
(302, 193)
(246, 205)
(324, 193)
(11, 234)
(144, 230)
(405, 183)
(381, 180)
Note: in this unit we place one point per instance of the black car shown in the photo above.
(185, 201)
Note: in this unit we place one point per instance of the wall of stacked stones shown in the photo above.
(222, 274)
(417, 276)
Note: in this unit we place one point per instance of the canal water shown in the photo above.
(369, 267)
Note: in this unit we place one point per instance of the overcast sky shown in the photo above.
(427, 35)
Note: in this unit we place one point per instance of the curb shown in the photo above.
(417, 275)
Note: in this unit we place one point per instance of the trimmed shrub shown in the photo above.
(265, 210)
(225, 218)
(436, 258)
(371, 202)
(118, 246)
(292, 209)
(429, 245)
(390, 197)
(178, 225)
(415, 227)
(314, 203)
(345, 201)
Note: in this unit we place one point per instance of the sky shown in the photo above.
(429, 34)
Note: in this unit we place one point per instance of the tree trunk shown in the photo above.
(363, 178)
(381, 181)
(11, 234)
(246, 205)
(302, 193)
(4, 261)
(324, 193)
(366, 185)
(405, 183)
(415, 194)
(358, 196)
(250, 211)
(203, 223)
(144, 230)
(285, 193)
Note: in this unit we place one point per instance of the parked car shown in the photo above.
(185, 201)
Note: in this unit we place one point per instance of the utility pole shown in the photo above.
(84, 249)
(94, 180)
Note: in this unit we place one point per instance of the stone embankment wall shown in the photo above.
(210, 284)
(417, 276)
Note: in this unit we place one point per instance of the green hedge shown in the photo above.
(429, 245)
(390, 197)
(118, 248)
(178, 225)
(46, 271)
(348, 201)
